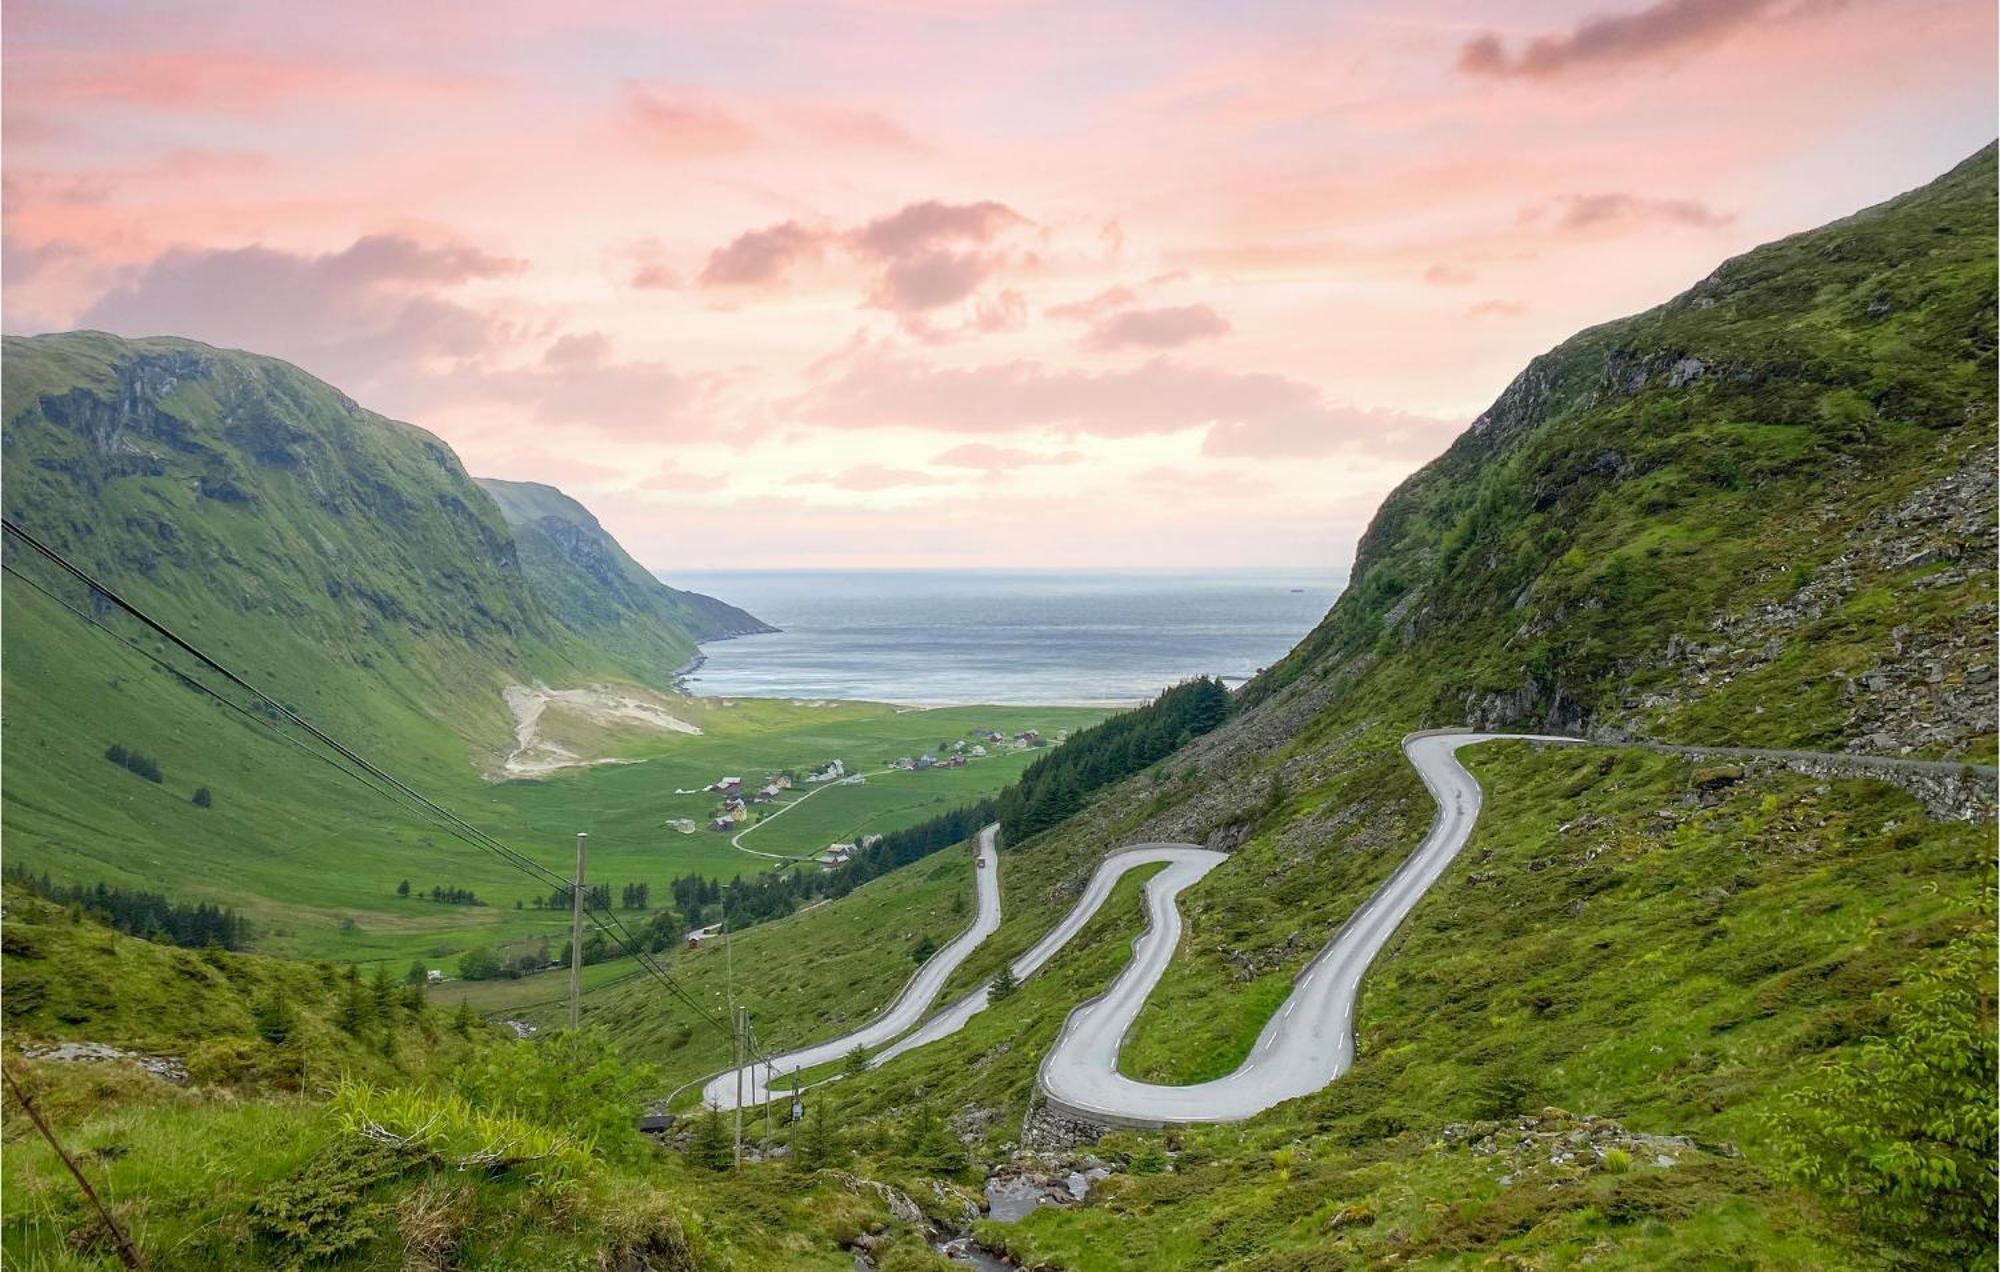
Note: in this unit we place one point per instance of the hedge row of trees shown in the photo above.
(149, 915)
(1056, 785)
(144, 765)
(447, 894)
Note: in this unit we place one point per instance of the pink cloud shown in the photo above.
(757, 257)
(849, 127)
(869, 477)
(922, 226)
(1496, 309)
(1668, 27)
(930, 279)
(579, 382)
(1245, 413)
(1443, 275)
(1165, 328)
(218, 82)
(653, 276)
(929, 255)
(679, 123)
(1201, 483)
(350, 316)
(675, 478)
(1094, 307)
(1577, 212)
(997, 459)
(20, 261)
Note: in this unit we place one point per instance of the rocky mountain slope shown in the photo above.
(593, 587)
(1761, 512)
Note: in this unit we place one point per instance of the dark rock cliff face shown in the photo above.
(594, 586)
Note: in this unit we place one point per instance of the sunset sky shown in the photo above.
(966, 283)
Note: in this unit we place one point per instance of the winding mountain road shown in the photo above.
(1307, 1043)
(899, 1016)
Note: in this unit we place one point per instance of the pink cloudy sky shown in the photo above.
(963, 282)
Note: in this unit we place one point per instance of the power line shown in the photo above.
(397, 790)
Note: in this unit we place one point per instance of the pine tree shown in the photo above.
(819, 1141)
(403, 888)
(466, 1020)
(417, 975)
(355, 1008)
(274, 1018)
(1003, 985)
(711, 1146)
(383, 990)
(856, 1062)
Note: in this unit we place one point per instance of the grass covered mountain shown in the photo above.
(327, 549)
(595, 589)
(1760, 513)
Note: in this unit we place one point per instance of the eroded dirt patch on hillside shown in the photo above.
(556, 729)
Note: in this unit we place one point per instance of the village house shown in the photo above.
(831, 770)
(724, 824)
(1027, 737)
(926, 760)
(902, 762)
(978, 751)
(725, 786)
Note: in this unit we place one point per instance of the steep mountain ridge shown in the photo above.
(594, 587)
(1688, 523)
(337, 554)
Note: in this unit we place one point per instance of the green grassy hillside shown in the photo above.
(592, 587)
(1759, 513)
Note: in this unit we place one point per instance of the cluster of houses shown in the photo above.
(841, 854)
(927, 761)
(735, 807)
(831, 771)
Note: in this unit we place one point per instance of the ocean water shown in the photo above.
(967, 636)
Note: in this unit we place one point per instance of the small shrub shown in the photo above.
(325, 1211)
(202, 798)
(1616, 1161)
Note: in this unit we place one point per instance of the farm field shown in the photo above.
(314, 859)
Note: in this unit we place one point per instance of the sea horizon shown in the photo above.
(928, 636)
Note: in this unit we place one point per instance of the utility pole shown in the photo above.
(742, 1024)
(767, 1110)
(576, 936)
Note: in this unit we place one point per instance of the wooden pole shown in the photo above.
(126, 1253)
(742, 1014)
(576, 937)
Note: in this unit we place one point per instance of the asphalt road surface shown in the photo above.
(906, 1011)
(1307, 1043)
